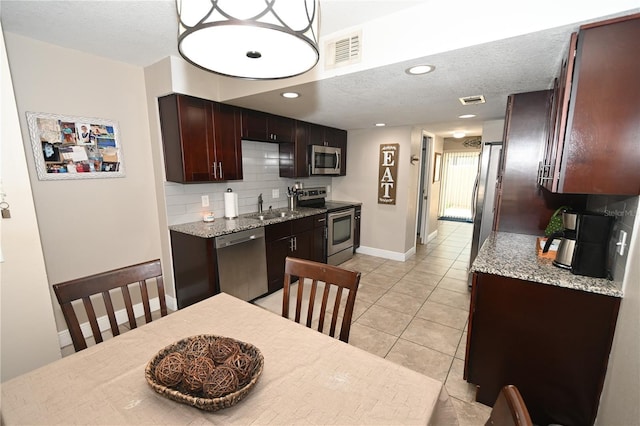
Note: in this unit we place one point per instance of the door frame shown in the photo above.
(424, 188)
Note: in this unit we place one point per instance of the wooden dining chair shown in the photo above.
(509, 409)
(321, 275)
(123, 278)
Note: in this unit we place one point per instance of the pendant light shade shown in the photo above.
(253, 39)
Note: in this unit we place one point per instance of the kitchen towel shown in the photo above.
(230, 205)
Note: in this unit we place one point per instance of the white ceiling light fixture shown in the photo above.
(380, 124)
(459, 135)
(252, 39)
(420, 69)
(290, 95)
(467, 116)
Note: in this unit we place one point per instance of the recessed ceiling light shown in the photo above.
(459, 135)
(290, 95)
(420, 69)
(380, 124)
(467, 116)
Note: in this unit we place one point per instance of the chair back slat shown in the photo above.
(91, 316)
(102, 283)
(161, 296)
(336, 308)
(312, 300)
(74, 326)
(323, 307)
(128, 305)
(145, 301)
(332, 277)
(106, 297)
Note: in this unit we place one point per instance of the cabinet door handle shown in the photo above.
(215, 171)
(295, 243)
(291, 249)
(220, 165)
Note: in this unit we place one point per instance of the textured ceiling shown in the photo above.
(143, 32)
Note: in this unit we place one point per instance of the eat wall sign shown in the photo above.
(388, 173)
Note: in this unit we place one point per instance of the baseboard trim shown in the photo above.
(386, 254)
(64, 337)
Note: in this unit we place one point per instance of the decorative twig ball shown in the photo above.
(170, 369)
(221, 381)
(197, 348)
(242, 364)
(196, 372)
(223, 348)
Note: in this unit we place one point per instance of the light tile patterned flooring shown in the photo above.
(415, 313)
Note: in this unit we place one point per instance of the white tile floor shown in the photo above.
(415, 313)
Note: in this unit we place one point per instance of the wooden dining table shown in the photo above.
(308, 378)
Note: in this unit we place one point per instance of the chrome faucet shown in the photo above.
(260, 203)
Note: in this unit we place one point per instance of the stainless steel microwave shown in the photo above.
(325, 160)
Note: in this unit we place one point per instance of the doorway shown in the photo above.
(459, 171)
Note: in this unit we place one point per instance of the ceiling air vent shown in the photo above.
(472, 100)
(345, 50)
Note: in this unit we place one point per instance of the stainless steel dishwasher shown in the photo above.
(242, 263)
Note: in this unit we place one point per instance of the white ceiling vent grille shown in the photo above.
(345, 50)
(472, 100)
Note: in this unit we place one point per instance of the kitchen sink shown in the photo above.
(269, 215)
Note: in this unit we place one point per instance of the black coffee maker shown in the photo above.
(584, 243)
(592, 242)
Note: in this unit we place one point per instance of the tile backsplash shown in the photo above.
(624, 209)
(260, 171)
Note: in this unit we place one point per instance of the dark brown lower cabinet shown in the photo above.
(291, 238)
(319, 244)
(194, 268)
(553, 343)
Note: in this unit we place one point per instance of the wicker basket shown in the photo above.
(181, 395)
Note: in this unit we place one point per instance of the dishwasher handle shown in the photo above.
(239, 237)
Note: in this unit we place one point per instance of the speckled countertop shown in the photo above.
(514, 256)
(222, 226)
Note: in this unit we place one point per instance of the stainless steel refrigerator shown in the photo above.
(485, 194)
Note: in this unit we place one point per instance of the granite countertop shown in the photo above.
(222, 226)
(514, 256)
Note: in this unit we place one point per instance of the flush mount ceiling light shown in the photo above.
(380, 124)
(253, 39)
(467, 116)
(420, 69)
(290, 95)
(458, 135)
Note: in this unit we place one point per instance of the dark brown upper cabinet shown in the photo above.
(261, 126)
(593, 139)
(201, 139)
(294, 157)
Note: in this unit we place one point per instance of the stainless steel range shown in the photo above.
(340, 223)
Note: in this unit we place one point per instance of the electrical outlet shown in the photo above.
(622, 243)
(275, 193)
(205, 201)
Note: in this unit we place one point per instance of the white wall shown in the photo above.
(29, 338)
(93, 225)
(383, 227)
